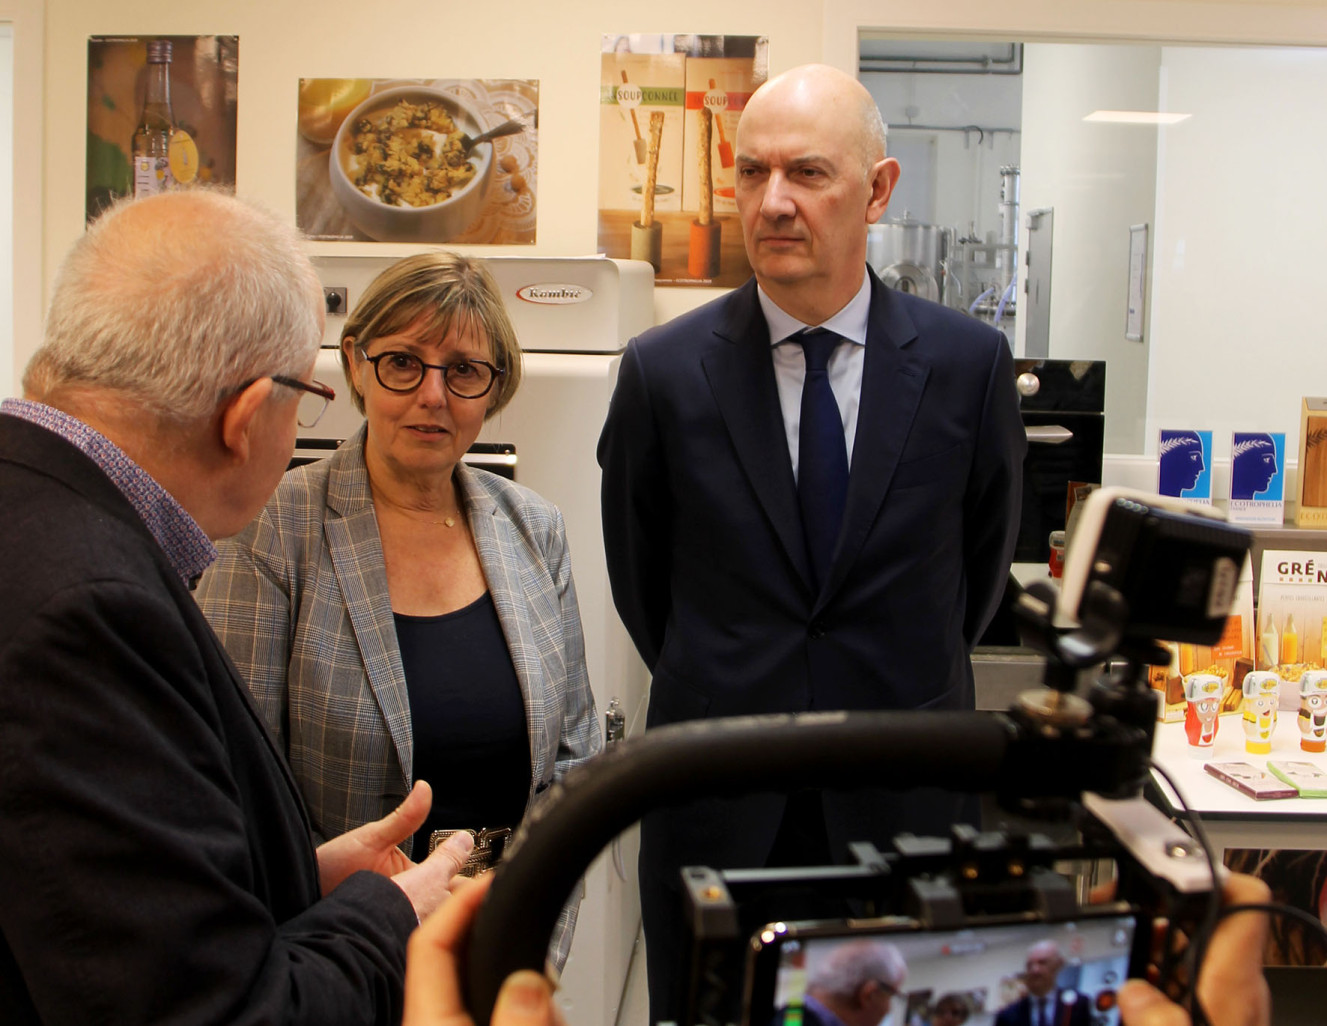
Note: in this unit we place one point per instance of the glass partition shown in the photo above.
(1169, 197)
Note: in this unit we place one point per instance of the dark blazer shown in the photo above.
(709, 566)
(1071, 1009)
(155, 860)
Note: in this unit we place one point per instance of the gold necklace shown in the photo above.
(446, 521)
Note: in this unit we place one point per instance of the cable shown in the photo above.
(1203, 936)
(1193, 955)
(1281, 909)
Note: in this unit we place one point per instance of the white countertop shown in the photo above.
(1209, 796)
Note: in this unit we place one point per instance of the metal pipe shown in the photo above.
(1011, 65)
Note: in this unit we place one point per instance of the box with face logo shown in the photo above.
(1184, 464)
(1257, 477)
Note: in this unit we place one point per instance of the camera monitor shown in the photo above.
(966, 976)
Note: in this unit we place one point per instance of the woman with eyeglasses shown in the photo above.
(400, 615)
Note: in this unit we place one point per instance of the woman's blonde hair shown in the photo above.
(432, 290)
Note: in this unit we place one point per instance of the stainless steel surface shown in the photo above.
(1037, 284)
(909, 255)
(1048, 434)
(1009, 179)
(1001, 675)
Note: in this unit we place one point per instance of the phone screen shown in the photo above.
(965, 977)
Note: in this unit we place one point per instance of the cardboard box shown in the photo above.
(1292, 617)
(1312, 511)
(1257, 477)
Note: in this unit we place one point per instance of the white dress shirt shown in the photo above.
(845, 363)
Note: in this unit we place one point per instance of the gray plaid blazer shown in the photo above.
(299, 599)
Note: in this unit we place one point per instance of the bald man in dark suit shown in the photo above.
(810, 495)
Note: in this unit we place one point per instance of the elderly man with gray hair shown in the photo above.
(155, 857)
(853, 985)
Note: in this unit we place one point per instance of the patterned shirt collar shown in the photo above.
(186, 545)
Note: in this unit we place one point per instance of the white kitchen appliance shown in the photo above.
(572, 315)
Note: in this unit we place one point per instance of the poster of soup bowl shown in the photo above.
(418, 160)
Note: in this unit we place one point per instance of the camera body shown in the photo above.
(975, 968)
(961, 915)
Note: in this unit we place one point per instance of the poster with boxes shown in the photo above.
(1292, 621)
(669, 107)
(1292, 648)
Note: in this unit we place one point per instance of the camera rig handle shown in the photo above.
(962, 752)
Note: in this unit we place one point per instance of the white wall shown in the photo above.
(6, 207)
(25, 168)
(1099, 179)
(1241, 243)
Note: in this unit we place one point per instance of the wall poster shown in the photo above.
(399, 160)
(161, 112)
(669, 107)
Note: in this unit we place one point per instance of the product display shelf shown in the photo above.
(1232, 819)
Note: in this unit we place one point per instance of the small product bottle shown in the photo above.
(1269, 647)
(156, 124)
(1290, 641)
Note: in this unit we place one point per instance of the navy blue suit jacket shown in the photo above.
(155, 857)
(708, 562)
(1068, 1009)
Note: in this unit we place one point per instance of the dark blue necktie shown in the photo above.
(822, 453)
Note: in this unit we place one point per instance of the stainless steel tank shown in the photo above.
(909, 256)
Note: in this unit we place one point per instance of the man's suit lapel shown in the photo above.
(741, 375)
(893, 381)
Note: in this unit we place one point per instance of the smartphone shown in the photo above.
(980, 968)
(1304, 777)
(1249, 779)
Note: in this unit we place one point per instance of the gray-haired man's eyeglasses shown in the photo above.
(313, 403)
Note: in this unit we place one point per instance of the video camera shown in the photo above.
(1141, 569)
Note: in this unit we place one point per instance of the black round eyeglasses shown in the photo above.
(404, 372)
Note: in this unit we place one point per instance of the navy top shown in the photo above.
(468, 719)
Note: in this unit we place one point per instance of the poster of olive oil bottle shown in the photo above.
(161, 113)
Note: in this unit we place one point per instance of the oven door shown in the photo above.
(1062, 447)
(1062, 403)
